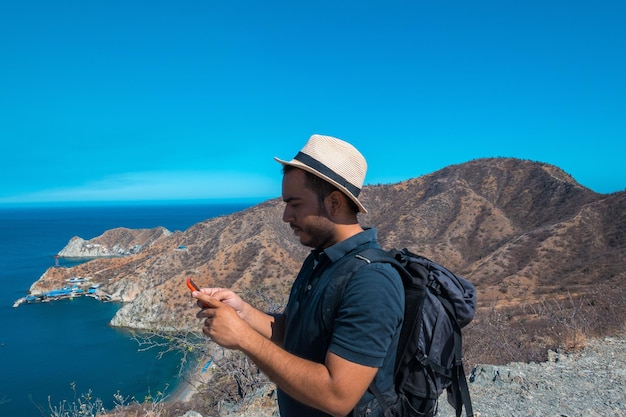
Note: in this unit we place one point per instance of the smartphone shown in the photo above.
(192, 285)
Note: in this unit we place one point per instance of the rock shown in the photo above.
(191, 414)
(115, 242)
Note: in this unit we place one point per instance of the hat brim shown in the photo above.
(297, 164)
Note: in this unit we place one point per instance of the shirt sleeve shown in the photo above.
(369, 315)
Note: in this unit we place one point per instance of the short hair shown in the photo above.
(321, 187)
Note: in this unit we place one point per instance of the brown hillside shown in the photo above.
(546, 254)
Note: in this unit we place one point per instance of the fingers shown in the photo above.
(218, 293)
(208, 300)
(212, 290)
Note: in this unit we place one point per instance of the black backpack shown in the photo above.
(438, 304)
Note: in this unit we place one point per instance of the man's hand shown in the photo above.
(224, 295)
(222, 322)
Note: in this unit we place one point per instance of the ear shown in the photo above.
(335, 202)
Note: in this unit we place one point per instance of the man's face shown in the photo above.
(306, 215)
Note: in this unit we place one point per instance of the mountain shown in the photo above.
(547, 255)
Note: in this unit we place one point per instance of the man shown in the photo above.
(320, 370)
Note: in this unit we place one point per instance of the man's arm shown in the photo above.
(334, 387)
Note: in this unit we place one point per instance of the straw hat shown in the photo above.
(335, 161)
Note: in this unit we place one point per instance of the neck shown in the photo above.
(345, 231)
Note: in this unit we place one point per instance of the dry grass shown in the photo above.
(525, 332)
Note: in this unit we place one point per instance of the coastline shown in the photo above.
(75, 330)
(190, 383)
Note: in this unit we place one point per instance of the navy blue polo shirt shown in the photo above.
(366, 326)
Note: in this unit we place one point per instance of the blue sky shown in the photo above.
(162, 100)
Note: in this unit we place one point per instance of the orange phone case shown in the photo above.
(192, 285)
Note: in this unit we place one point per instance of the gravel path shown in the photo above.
(588, 383)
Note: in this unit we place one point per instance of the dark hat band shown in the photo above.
(324, 170)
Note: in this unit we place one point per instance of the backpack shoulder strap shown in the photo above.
(343, 269)
(414, 283)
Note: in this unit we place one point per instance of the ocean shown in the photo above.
(57, 351)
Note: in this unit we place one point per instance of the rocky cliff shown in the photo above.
(540, 248)
(115, 242)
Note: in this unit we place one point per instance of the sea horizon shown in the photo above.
(240, 201)
(57, 351)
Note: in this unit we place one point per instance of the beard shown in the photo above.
(316, 232)
(316, 237)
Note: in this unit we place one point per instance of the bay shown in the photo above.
(57, 351)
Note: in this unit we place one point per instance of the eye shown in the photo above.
(292, 203)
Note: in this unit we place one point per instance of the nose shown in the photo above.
(287, 215)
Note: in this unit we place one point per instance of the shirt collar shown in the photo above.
(340, 249)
